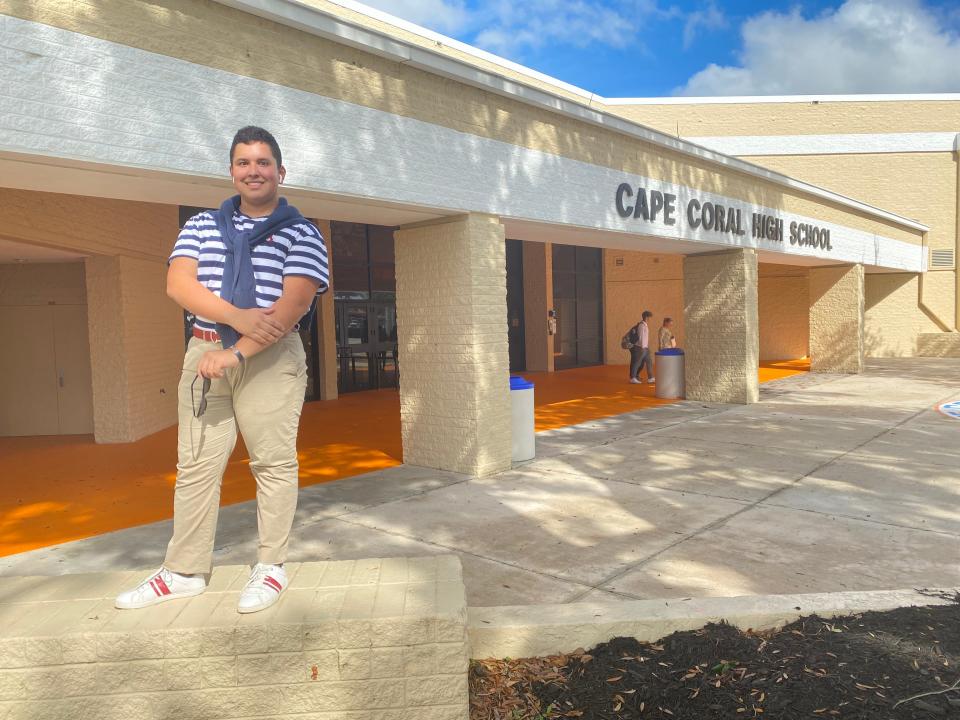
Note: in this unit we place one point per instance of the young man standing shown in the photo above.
(640, 351)
(249, 273)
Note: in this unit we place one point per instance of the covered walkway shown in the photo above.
(831, 482)
(63, 488)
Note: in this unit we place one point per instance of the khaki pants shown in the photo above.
(262, 398)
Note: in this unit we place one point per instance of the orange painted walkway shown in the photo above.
(61, 488)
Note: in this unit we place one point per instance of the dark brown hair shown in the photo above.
(253, 134)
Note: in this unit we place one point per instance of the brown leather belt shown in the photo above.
(208, 335)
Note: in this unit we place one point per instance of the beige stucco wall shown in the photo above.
(136, 347)
(42, 284)
(892, 318)
(938, 345)
(135, 331)
(720, 314)
(153, 327)
(921, 185)
(836, 319)
(446, 49)
(782, 308)
(795, 118)
(210, 33)
(455, 408)
(645, 281)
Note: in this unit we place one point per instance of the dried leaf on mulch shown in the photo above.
(903, 663)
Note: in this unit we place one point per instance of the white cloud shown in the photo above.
(445, 16)
(511, 27)
(865, 46)
(710, 17)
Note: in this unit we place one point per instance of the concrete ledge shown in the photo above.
(365, 640)
(536, 630)
(941, 345)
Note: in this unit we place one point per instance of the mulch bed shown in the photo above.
(903, 663)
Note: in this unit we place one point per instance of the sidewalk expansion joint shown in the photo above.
(945, 533)
(419, 493)
(478, 556)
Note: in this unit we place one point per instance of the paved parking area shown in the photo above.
(830, 483)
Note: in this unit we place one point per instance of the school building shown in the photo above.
(462, 197)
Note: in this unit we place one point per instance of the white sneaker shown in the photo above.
(651, 381)
(263, 588)
(634, 381)
(161, 586)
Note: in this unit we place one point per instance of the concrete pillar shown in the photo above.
(836, 319)
(136, 347)
(537, 300)
(721, 326)
(326, 326)
(454, 358)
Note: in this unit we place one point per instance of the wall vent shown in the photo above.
(941, 258)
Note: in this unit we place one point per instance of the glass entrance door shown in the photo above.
(578, 300)
(366, 345)
(353, 346)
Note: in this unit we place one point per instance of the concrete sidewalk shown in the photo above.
(830, 483)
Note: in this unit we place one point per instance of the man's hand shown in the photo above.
(213, 363)
(257, 324)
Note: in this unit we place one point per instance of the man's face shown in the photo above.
(255, 173)
(668, 324)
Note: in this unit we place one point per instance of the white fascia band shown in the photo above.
(776, 99)
(845, 144)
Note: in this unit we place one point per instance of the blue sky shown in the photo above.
(641, 48)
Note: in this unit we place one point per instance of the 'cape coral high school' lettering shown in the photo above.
(653, 206)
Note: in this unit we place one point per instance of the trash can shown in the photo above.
(669, 372)
(521, 402)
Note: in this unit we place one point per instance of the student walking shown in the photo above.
(640, 351)
(249, 272)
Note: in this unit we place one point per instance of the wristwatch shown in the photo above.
(240, 357)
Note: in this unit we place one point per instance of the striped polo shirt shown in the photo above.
(296, 250)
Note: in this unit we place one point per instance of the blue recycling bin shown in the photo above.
(521, 405)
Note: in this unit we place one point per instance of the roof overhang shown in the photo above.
(316, 21)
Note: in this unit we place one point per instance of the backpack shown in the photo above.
(631, 338)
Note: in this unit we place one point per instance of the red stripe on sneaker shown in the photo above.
(164, 590)
(272, 584)
(155, 589)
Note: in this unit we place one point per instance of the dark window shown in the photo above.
(381, 244)
(188, 211)
(589, 260)
(349, 242)
(363, 262)
(564, 258)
